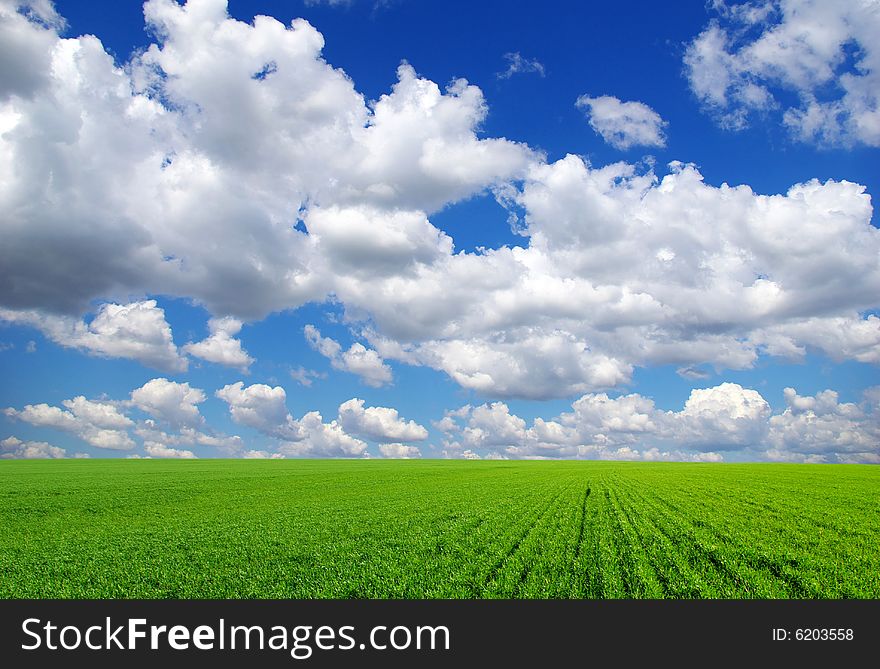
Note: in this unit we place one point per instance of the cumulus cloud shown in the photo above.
(97, 423)
(155, 450)
(13, 448)
(136, 331)
(261, 455)
(305, 377)
(192, 161)
(98, 414)
(378, 423)
(516, 64)
(263, 408)
(820, 428)
(221, 346)
(169, 401)
(713, 422)
(399, 451)
(103, 424)
(624, 268)
(753, 57)
(150, 432)
(724, 417)
(623, 124)
(324, 440)
(230, 164)
(358, 359)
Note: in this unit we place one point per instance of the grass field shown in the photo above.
(436, 529)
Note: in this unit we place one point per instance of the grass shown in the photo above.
(437, 529)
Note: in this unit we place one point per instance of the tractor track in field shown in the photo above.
(580, 539)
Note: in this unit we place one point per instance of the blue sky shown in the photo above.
(589, 248)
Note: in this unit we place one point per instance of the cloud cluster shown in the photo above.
(157, 450)
(323, 440)
(624, 268)
(714, 422)
(221, 347)
(261, 407)
(724, 422)
(378, 423)
(13, 448)
(98, 424)
(176, 404)
(230, 164)
(399, 451)
(358, 359)
(182, 172)
(623, 124)
(106, 424)
(821, 428)
(825, 54)
(265, 409)
(135, 331)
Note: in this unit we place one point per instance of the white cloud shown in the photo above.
(136, 331)
(626, 269)
(13, 448)
(493, 425)
(326, 346)
(149, 431)
(196, 163)
(724, 417)
(841, 338)
(174, 403)
(378, 423)
(623, 124)
(155, 450)
(324, 440)
(192, 161)
(369, 241)
(221, 346)
(822, 429)
(98, 414)
(516, 64)
(399, 451)
(98, 424)
(365, 363)
(755, 56)
(262, 455)
(713, 422)
(305, 377)
(263, 408)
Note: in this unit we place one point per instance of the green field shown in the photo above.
(436, 529)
